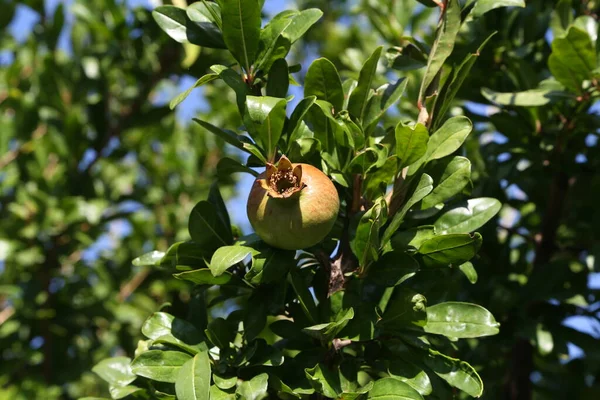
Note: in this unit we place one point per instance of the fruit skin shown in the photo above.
(299, 221)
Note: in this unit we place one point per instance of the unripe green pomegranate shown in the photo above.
(292, 206)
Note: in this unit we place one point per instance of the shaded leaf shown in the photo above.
(455, 177)
(323, 81)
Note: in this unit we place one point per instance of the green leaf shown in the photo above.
(266, 117)
(561, 18)
(483, 6)
(393, 389)
(225, 383)
(293, 126)
(457, 373)
(270, 266)
(365, 243)
(405, 309)
(469, 271)
(393, 268)
(255, 388)
(467, 219)
(118, 392)
(234, 81)
(408, 372)
(304, 296)
(165, 328)
(455, 177)
(460, 320)
(573, 59)
(207, 16)
(325, 380)
(384, 97)
(150, 259)
(206, 228)
(358, 99)
(278, 79)
(323, 81)
(423, 188)
(448, 138)
(205, 277)
(226, 257)
(115, 370)
(328, 331)
(413, 238)
(454, 83)
(301, 22)
(221, 332)
(228, 136)
(273, 45)
(182, 96)
(548, 91)
(175, 22)
(411, 143)
(453, 249)
(158, 365)
(228, 166)
(241, 29)
(193, 380)
(442, 45)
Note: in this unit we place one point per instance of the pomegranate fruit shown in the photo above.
(292, 206)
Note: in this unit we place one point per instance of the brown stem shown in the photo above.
(130, 287)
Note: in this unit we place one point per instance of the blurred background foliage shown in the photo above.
(95, 169)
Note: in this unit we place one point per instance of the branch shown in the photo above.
(135, 282)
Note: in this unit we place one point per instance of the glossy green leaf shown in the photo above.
(406, 58)
(120, 392)
(115, 370)
(451, 249)
(411, 142)
(218, 394)
(226, 257)
(573, 59)
(405, 309)
(413, 238)
(241, 29)
(457, 373)
(455, 177)
(393, 389)
(448, 138)
(273, 45)
(469, 271)
(323, 81)
(182, 96)
(460, 320)
(483, 6)
(265, 118)
(384, 97)
(357, 104)
(225, 383)
(365, 243)
(176, 23)
(206, 228)
(442, 45)
(151, 259)
(165, 328)
(158, 365)
(411, 374)
(207, 16)
(301, 23)
(467, 219)
(393, 268)
(270, 266)
(255, 388)
(422, 189)
(193, 379)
